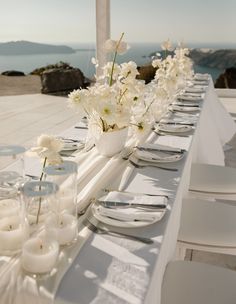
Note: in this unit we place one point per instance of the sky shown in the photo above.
(73, 21)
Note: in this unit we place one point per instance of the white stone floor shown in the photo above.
(24, 117)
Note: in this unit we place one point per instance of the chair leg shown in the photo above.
(180, 251)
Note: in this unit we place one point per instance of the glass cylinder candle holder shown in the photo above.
(63, 222)
(39, 198)
(13, 176)
(39, 255)
(13, 225)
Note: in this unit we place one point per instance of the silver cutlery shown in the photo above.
(184, 105)
(99, 230)
(67, 140)
(162, 133)
(135, 193)
(114, 204)
(181, 151)
(177, 123)
(140, 166)
(34, 177)
(81, 127)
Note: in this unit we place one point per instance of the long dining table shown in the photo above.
(104, 268)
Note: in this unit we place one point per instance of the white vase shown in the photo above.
(111, 143)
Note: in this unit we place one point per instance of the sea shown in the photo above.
(138, 52)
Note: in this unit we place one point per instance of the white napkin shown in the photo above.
(158, 147)
(175, 141)
(195, 90)
(201, 76)
(183, 108)
(174, 128)
(156, 156)
(189, 98)
(69, 146)
(132, 214)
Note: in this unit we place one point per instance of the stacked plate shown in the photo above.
(125, 209)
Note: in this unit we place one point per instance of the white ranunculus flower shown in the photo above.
(167, 45)
(111, 46)
(48, 147)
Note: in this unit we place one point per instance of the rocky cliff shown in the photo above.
(221, 59)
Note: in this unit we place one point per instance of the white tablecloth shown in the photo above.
(117, 270)
(113, 270)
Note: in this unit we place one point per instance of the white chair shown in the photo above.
(207, 226)
(198, 283)
(213, 181)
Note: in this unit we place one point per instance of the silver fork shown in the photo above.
(140, 166)
(99, 230)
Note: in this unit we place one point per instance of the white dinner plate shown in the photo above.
(174, 128)
(132, 224)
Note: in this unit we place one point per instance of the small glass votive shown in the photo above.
(62, 224)
(13, 225)
(39, 198)
(14, 175)
(39, 255)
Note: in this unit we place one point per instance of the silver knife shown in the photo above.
(161, 150)
(110, 204)
(178, 123)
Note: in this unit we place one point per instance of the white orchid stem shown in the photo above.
(114, 59)
(40, 199)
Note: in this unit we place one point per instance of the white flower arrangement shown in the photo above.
(109, 104)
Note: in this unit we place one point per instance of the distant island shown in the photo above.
(32, 48)
(211, 58)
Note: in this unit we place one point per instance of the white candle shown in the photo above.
(63, 227)
(9, 207)
(12, 234)
(39, 255)
(66, 200)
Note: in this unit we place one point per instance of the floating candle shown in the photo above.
(12, 234)
(62, 227)
(39, 255)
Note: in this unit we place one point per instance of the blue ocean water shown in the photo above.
(138, 52)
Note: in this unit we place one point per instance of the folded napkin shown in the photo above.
(69, 146)
(184, 108)
(131, 213)
(156, 156)
(158, 147)
(201, 76)
(195, 89)
(174, 128)
(187, 97)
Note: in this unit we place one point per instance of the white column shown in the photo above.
(102, 31)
